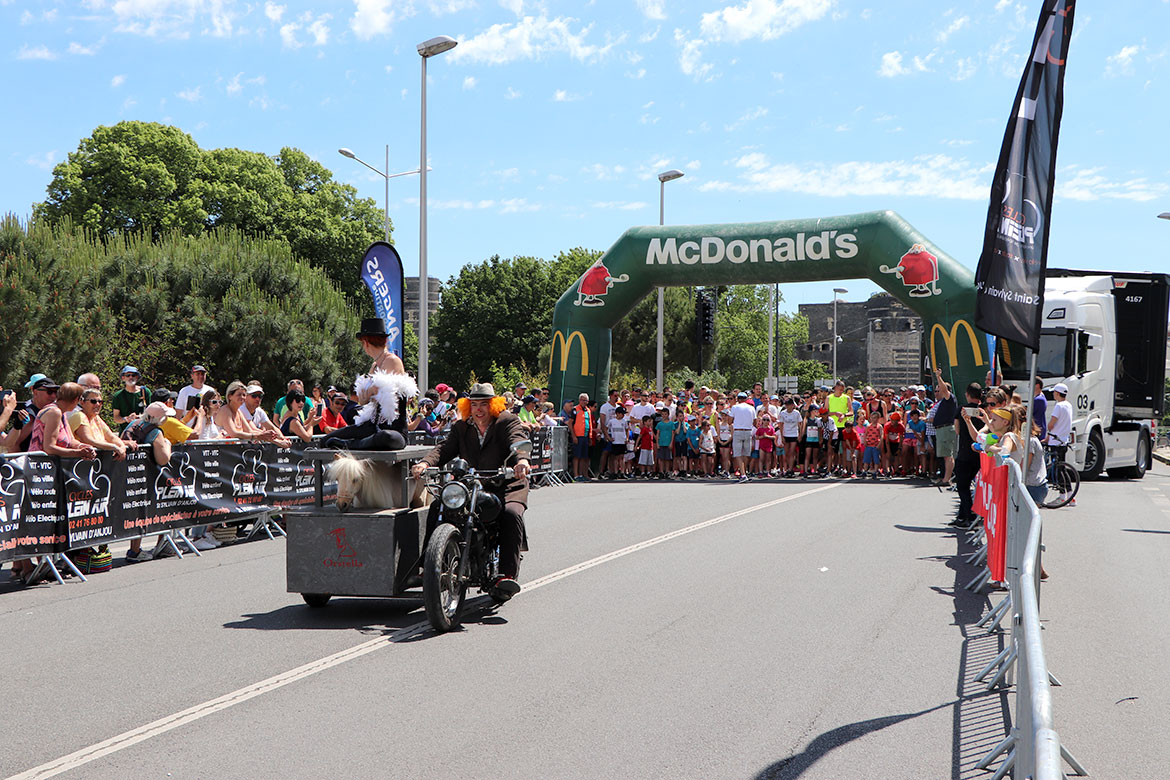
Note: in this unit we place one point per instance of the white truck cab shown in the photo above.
(1103, 334)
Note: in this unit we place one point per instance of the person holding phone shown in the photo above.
(131, 400)
(290, 420)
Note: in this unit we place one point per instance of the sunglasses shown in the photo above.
(93, 400)
(215, 402)
(50, 391)
(256, 395)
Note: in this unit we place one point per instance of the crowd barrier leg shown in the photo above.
(169, 541)
(995, 662)
(182, 534)
(265, 523)
(980, 580)
(992, 619)
(997, 751)
(1072, 761)
(49, 564)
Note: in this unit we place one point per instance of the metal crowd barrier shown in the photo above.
(1033, 749)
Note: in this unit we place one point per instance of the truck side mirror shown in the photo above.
(1094, 341)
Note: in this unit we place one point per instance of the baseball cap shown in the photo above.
(742, 394)
(528, 399)
(442, 388)
(775, 398)
(253, 389)
(162, 394)
(1060, 387)
(659, 405)
(198, 368)
(45, 384)
(129, 370)
(32, 380)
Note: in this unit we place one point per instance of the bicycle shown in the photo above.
(1063, 482)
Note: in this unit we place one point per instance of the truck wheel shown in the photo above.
(316, 600)
(1138, 470)
(1094, 456)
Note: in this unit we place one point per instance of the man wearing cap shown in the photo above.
(129, 402)
(483, 436)
(44, 392)
(253, 396)
(196, 388)
(527, 413)
(579, 433)
(446, 399)
(743, 423)
(1060, 422)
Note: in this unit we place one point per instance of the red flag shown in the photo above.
(991, 504)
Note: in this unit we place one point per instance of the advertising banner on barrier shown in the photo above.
(991, 505)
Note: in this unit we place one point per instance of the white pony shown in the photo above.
(361, 483)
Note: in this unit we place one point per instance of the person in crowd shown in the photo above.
(912, 443)
(129, 402)
(873, 441)
(969, 424)
(445, 400)
(566, 415)
(580, 432)
(197, 389)
(945, 433)
(617, 434)
(767, 439)
(294, 386)
(724, 434)
(642, 406)
(290, 420)
(255, 414)
(664, 430)
(205, 408)
(850, 446)
(527, 413)
(7, 412)
(146, 431)
(1060, 426)
(646, 447)
(743, 419)
(332, 417)
(811, 440)
(840, 410)
(707, 446)
(790, 423)
(352, 407)
(892, 458)
(317, 396)
(91, 429)
(44, 392)
(424, 418)
(234, 423)
(694, 464)
(547, 418)
(605, 414)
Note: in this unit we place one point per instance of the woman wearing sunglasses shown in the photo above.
(205, 408)
(92, 429)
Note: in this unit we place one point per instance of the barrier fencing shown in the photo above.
(1010, 546)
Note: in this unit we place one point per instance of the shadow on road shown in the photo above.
(1144, 531)
(341, 613)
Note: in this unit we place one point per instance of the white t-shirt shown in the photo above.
(549, 420)
(707, 441)
(789, 423)
(641, 410)
(1060, 426)
(617, 428)
(774, 411)
(743, 416)
(187, 393)
(258, 418)
(606, 411)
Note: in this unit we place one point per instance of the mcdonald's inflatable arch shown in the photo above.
(877, 245)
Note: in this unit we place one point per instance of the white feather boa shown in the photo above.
(388, 388)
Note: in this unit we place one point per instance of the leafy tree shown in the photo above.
(148, 178)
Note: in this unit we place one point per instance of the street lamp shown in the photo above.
(1164, 215)
(836, 291)
(663, 178)
(426, 50)
(344, 152)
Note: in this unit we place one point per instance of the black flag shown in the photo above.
(1009, 281)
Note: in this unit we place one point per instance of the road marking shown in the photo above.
(169, 723)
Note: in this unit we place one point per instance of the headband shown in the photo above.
(1004, 413)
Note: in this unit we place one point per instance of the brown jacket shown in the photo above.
(463, 442)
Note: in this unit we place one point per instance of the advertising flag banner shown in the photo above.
(991, 505)
(382, 273)
(1009, 280)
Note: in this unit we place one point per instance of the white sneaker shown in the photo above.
(138, 557)
(205, 543)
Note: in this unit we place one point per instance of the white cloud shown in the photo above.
(562, 96)
(1087, 184)
(1121, 63)
(118, 80)
(623, 205)
(375, 17)
(35, 53)
(693, 165)
(27, 17)
(690, 57)
(77, 48)
(190, 95)
(512, 94)
(1002, 4)
(650, 36)
(320, 30)
(604, 172)
(469, 82)
(515, 6)
(173, 18)
(128, 104)
(45, 161)
(653, 9)
(260, 101)
(288, 36)
(936, 176)
(273, 11)
(953, 28)
(892, 65)
(763, 19)
(531, 38)
(756, 113)
(517, 205)
(234, 87)
(964, 68)
(441, 7)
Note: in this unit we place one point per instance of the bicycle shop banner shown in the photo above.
(52, 505)
(990, 503)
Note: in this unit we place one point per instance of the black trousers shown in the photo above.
(965, 472)
(513, 539)
(366, 436)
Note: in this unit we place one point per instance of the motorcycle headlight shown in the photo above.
(454, 496)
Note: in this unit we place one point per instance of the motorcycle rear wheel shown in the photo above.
(443, 592)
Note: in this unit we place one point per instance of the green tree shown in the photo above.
(148, 178)
(635, 337)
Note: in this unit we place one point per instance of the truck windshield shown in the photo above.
(1055, 358)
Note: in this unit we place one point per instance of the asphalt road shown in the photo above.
(818, 637)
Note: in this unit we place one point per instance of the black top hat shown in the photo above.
(372, 326)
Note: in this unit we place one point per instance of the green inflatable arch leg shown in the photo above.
(877, 245)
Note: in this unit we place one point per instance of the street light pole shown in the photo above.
(836, 291)
(344, 152)
(663, 178)
(426, 50)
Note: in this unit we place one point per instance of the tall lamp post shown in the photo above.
(663, 178)
(836, 291)
(1164, 215)
(426, 50)
(344, 152)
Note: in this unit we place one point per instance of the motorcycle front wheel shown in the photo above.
(443, 591)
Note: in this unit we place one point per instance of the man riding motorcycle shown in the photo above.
(483, 437)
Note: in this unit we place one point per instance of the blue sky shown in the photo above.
(549, 121)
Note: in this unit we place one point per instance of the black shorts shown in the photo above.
(791, 439)
(836, 445)
(894, 447)
(680, 450)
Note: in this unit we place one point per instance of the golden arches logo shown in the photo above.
(566, 348)
(951, 342)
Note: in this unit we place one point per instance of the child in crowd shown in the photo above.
(811, 436)
(618, 431)
(646, 447)
(766, 438)
(790, 422)
(694, 447)
(892, 456)
(914, 442)
(850, 443)
(665, 429)
(707, 447)
(874, 441)
(681, 452)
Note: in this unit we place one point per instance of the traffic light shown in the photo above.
(705, 317)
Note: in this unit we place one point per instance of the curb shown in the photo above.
(1162, 456)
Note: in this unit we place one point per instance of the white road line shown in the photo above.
(191, 714)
